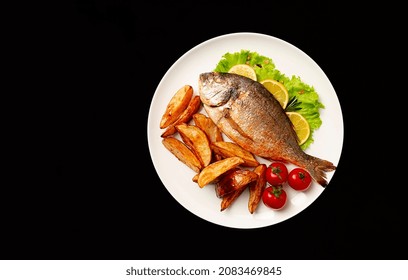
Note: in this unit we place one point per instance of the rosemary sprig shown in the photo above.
(293, 105)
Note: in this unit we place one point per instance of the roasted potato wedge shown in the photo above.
(208, 126)
(177, 104)
(185, 117)
(234, 180)
(182, 152)
(230, 149)
(256, 188)
(211, 129)
(197, 140)
(211, 172)
(229, 198)
(195, 178)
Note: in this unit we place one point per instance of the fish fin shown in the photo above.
(318, 169)
(233, 124)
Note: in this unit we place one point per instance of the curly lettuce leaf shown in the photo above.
(307, 98)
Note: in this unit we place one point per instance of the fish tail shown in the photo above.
(318, 167)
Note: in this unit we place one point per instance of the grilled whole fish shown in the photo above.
(248, 114)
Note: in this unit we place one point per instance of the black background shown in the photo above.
(98, 196)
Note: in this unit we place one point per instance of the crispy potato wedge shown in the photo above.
(211, 129)
(182, 152)
(185, 117)
(208, 126)
(256, 188)
(234, 180)
(229, 198)
(177, 104)
(230, 149)
(211, 172)
(195, 178)
(197, 140)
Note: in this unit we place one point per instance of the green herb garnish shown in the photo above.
(293, 105)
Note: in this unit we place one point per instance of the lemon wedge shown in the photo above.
(278, 90)
(300, 125)
(243, 70)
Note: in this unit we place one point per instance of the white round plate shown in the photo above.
(177, 177)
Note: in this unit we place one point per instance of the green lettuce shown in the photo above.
(302, 97)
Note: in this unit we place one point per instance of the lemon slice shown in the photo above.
(300, 125)
(243, 70)
(278, 90)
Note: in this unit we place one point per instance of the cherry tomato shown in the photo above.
(299, 179)
(276, 173)
(274, 197)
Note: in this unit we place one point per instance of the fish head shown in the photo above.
(215, 88)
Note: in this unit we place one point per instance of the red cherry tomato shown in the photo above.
(299, 179)
(276, 173)
(274, 197)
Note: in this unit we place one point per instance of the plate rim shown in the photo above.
(174, 65)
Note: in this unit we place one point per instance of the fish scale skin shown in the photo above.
(248, 114)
